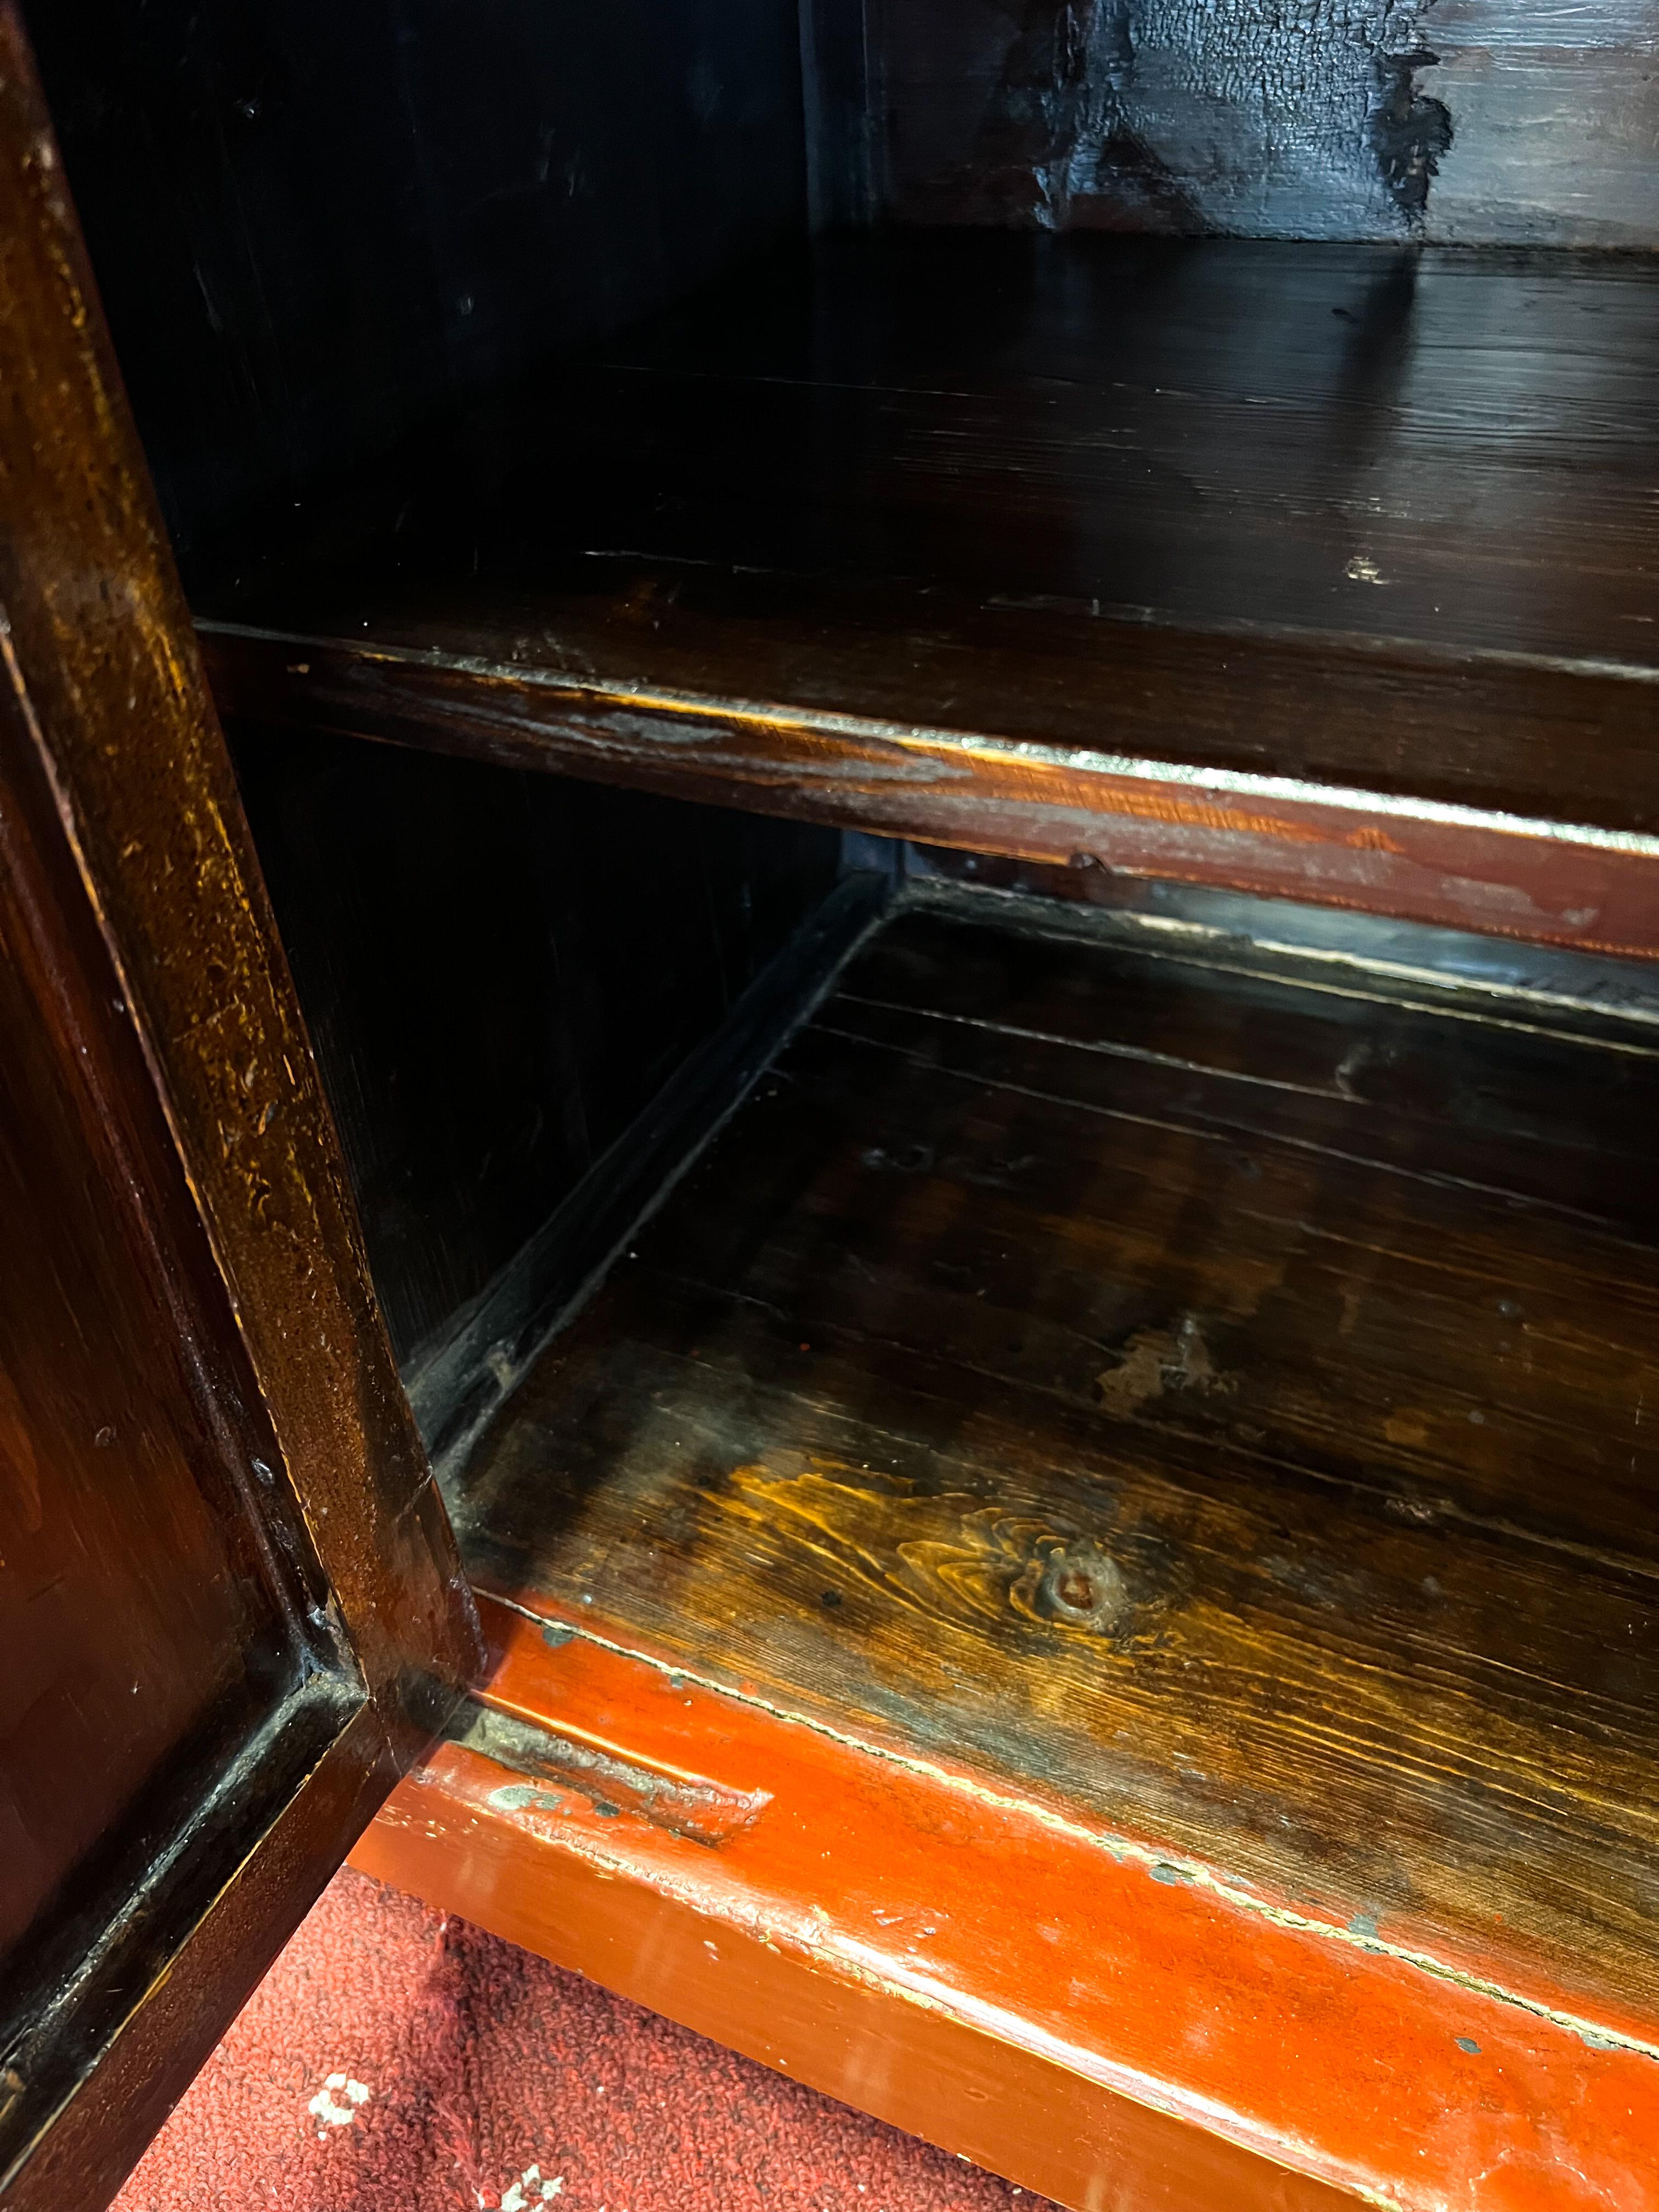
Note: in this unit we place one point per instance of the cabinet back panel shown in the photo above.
(315, 226)
(499, 971)
(1461, 120)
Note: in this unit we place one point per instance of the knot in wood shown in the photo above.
(1084, 1589)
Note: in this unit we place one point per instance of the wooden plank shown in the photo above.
(100, 654)
(1259, 935)
(1088, 2019)
(1478, 120)
(233, 1612)
(1308, 571)
(1229, 1426)
(1459, 865)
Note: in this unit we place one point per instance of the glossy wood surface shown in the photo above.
(147, 1624)
(101, 651)
(1096, 2022)
(234, 1607)
(1313, 570)
(1215, 1402)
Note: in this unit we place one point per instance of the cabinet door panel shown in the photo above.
(230, 1611)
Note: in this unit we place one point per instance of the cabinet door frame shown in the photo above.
(121, 798)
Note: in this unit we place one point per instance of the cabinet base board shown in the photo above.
(970, 1965)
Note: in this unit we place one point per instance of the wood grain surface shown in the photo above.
(1099, 2023)
(150, 1623)
(1450, 120)
(1217, 1403)
(233, 1609)
(1315, 570)
(100, 654)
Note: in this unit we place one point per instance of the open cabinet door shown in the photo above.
(230, 1610)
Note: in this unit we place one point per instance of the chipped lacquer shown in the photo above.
(1102, 2024)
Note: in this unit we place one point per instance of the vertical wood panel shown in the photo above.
(225, 1576)
(1468, 120)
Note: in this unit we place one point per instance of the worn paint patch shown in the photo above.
(685, 1805)
(1409, 132)
(1172, 115)
(1155, 1360)
(526, 1797)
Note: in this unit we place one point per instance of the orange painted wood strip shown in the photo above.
(982, 1970)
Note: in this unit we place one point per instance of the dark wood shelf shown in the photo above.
(1213, 1400)
(1313, 570)
(1092, 1395)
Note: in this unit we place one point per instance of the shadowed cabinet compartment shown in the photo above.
(1214, 1399)
(949, 722)
(1164, 1412)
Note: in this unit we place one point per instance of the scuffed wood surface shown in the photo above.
(1221, 1404)
(1102, 2024)
(145, 1624)
(102, 658)
(233, 1610)
(1474, 121)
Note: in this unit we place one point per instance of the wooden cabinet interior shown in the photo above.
(1310, 562)
(988, 988)
(1310, 570)
(1113, 1382)
(1170, 1372)
(502, 971)
(1212, 1393)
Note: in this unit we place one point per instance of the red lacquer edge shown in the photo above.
(976, 1968)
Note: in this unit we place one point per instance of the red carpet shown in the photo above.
(395, 2061)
